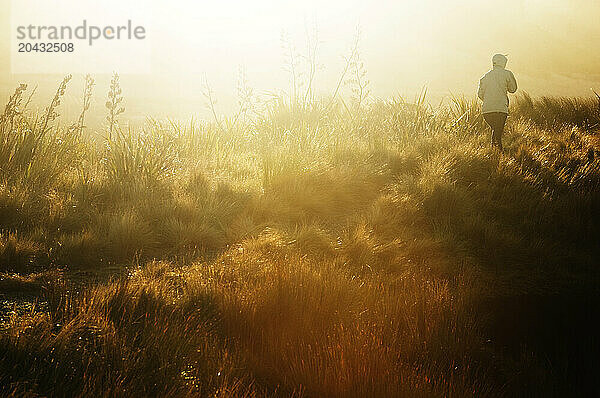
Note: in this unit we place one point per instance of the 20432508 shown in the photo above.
(46, 47)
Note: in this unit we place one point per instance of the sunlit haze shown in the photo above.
(405, 46)
(318, 198)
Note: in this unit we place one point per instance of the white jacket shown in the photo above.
(494, 85)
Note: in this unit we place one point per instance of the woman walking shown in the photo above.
(493, 89)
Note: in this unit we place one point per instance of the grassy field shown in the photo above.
(317, 249)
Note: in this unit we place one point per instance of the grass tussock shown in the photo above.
(316, 249)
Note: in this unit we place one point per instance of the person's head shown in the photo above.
(499, 60)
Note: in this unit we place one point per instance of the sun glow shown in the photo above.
(405, 46)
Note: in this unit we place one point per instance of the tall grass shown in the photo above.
(561, 111)
(311, 250)
(32, 152)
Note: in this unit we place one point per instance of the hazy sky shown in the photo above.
(405, 45)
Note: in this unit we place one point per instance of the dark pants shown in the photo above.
(496, 121)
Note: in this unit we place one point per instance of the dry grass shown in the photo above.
(307, 252)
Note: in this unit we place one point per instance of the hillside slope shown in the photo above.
(316, 250)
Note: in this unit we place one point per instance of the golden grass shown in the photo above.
(308, 252)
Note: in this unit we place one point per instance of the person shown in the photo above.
(493, 88)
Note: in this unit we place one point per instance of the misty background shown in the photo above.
(405, 46)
